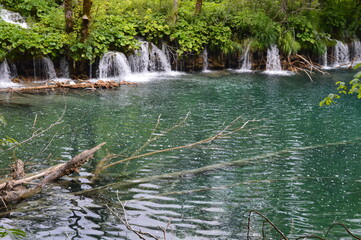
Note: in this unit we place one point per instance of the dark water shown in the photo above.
(302, 190)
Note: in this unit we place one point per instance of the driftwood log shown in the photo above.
(51, 86)
(15, 189)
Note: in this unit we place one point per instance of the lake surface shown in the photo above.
(299, 164)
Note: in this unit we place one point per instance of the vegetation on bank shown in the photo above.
(85, 30)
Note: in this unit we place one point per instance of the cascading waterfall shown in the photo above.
(273, 63)
(341, 55)
(356, 51)
(114, 65)
(166, 52)
(323, 60)
(5, 75)
(63, 68)
(205, 60)
(158, 60)
(247, 64)
(13, 18)
(43, 68)
(139, 60)
(149, 58)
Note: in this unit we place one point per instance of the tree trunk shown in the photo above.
(175, 5)
(198, 9)
(87, 5)
(68, 11)
(15, 190)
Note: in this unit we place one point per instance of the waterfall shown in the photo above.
(323, 60)
(5, 75)
(149, 58)
(63, 68)
(43, 68)
(247, 64)
(158, 60)
(166, 52)
(139, 60)
(273, 59)
(356, 51)
(13, 18)
(341, 55)
(114, 64)
(205, 60)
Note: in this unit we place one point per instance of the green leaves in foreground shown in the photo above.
(329, 99)
(354, 86)
(13, 233)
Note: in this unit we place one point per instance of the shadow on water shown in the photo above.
(302, 191)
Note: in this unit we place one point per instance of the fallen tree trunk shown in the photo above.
(64, 85)
(15, 190)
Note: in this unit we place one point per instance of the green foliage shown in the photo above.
(256, 25)
(329, 99)
(288, 44)
(354, 86)
(108, 33)
(30, 7)
(222, 26)
(190, 37)
(153, 26)
(13, 233)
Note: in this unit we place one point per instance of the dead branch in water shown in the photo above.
(225, 132)
(241, 162)
(283, 236)
(15, 190)
(299, 63)
(345, 227)
(65, 85)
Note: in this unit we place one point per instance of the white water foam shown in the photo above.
(273, 64)
(5, 76)
(205, 61)
(13, 18)
(43, 68)
(341, 55)
(113, 65)
(149, 58)
(246, 61)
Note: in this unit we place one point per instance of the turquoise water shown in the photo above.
(302, 190)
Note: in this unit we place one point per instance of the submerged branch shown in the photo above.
(221, 134)
(267, 220)
(14, 190)
(39, 132)
(345, 227)
(241, 162)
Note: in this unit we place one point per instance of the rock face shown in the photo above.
(195, 63)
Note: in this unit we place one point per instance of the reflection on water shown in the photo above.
(302, 190)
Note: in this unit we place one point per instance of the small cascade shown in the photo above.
(166, 52)
(205, 60)
(114, 65)
(323, 60)
(341, 55)
(5, 75)
(139, 60)
(63, 68)
(13, 18)
(356, 51)
(149, 58)
(158, 60)
(247, 64)
(43, 68)
(273, 59)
